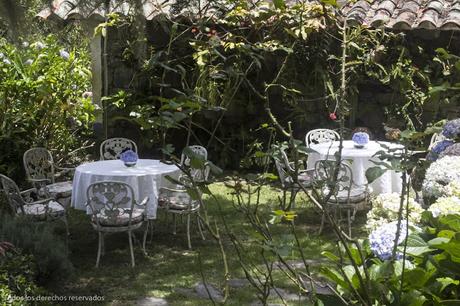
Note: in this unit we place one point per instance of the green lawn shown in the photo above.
(170, 265)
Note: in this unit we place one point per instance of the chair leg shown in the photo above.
(145, 237)
(102, 244)
(292, 199)
(131, 248)
(64, 219)
(349, 222)
(99, 249)
(174, 221)
(284, 199)
(151, 230)
(323, 219)
(188, 232)
(198, 220)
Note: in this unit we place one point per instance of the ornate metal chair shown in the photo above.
(112, 148)
(344, 193)
(41, 172)
(320, 136)
(179, 202)
(199, 175)
(286, 171)
(435, 139)
(114, 210)
(22, 204)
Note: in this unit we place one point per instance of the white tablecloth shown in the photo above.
(361, 160)
(146, 178)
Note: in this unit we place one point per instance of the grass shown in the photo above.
(170, 265)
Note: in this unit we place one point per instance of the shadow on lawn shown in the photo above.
(169, 264)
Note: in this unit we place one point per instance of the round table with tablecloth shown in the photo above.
(146, 178)
(360, 160)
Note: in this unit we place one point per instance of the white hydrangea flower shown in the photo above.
(385, 208)
(440, 174)
(445, 206)
(453, 189)
(25, 44)
(39, 45)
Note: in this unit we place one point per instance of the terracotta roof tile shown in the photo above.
(406, 14)
(396, 14)
(63, 10)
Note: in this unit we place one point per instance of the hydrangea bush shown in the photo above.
(385, 209)
(382, 239)
(440, 174)
(451, 129)
(445, 206)
(42, 103)
(453, 150)
(439, 148)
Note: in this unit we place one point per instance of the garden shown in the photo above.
(229, 152)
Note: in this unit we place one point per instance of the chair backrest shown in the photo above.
(437, 137)
(110, 199)
(199, 150)
(39, 164)
(320, 136)
(112, 148)
(199, 175)
(324, 176)
(12, 193)
(282, 166)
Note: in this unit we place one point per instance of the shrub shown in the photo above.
(39, 240)
(18, 275)
(385, 208)
(439, 175)
(41, 101)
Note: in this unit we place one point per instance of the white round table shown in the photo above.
(361, 160)
(146, 178)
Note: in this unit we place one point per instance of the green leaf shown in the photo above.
(279, 4)
(413, 298)
(329, 2)
(331, 256)
(446, 281)
(374, 173)
(416, 278)
(452, 221)
(334, 276)
(416, 246)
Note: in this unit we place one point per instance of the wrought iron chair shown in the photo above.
(199, 175)
(114, 210)
(22, 204)
(42, 172)
(320, 136)
(286, 171)
(344, 193)
(112, 148)
(179, 202)
(437, 137)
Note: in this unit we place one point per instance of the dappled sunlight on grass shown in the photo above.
(170, 266)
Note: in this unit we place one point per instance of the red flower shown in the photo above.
(333, 116)
(194, 30)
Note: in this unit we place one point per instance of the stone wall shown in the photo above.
(369, 110)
